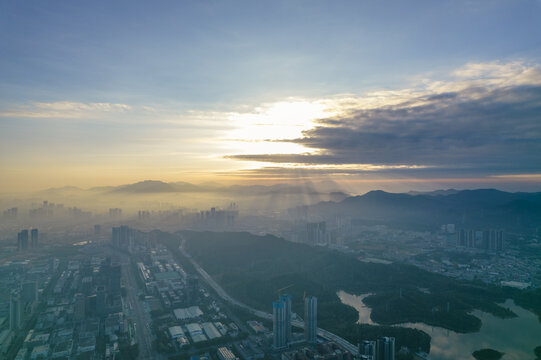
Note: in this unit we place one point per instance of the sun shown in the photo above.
(260, 131)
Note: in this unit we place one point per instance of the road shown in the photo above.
(140, 318)
(261, 314)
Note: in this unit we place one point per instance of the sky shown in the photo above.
(426, 94)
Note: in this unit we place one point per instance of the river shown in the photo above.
(516, 337)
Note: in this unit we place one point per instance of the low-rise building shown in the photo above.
(41, 351)
(211, 331)
(225, 354)
(249, 351)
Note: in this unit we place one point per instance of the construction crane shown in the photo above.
(280, 290)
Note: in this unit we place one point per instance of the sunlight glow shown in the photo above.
(278, 121)
(260, 131)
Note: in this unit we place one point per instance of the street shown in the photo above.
(139, 317)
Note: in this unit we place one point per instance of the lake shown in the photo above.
(516, 337)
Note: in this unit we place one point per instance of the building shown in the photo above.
(310, 319)
(115, 213)
(22, 240)
(79, 307)
(114, 279)
(279, 325)
(5, 341)
(196, 332)
(192, 288)
(226, 354)
(248, 350)
(176, 332)
(491, 240)
(287, 299)
(11, 213)
(29, 292)
(100, 301)
(385, 348)
(122, 237)
(34, 238)
(316, 233)
(15, 310)
(188, 313)
(210, 330)
(40, 352)
(367, 350)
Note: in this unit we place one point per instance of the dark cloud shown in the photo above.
(475, 128)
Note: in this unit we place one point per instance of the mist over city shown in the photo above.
(276, 180)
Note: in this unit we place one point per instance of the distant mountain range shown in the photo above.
(473, 208)
(154, 187)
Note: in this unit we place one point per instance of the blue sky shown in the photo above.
(174, 63)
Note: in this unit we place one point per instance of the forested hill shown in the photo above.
(252, 268)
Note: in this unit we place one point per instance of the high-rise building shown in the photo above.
(492, 240)
(316, 233)
(15, 310)
(385, 348)
(115, 213)
(79, 307)
(22, 240)
(100, 301)
(191, 289)
(90, 305)
(11, 213)
(367, 350)
(34, 238)
(279, 324)
(287, 299)
(29, 292)
(114, 278)
(122, 237)
(310, 319)
(496, 240)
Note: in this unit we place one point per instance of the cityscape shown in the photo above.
(131, 297)
(270, 180)
(117, 292)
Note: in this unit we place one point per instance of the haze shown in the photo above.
(275, 180)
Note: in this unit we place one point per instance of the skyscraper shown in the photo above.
(34, 238)
(114, 278)
(79, 307)
(100, 301)
(286, 299)
(29, 292)
(310, 319)
(122, 237)
(279, 325)
(22, 240)
(15, 310)
(316, 233)
(367, 350)
(385, 348)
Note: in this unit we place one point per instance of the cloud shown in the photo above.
(64, 110)
(487, 120)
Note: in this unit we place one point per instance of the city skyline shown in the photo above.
(371, 96)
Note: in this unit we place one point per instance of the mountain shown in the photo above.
(475, 208)
(434, 193)
(153, 186)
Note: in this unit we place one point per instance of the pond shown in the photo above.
(516, 337)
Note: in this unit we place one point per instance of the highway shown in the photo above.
(261, 314)
(139, 316)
